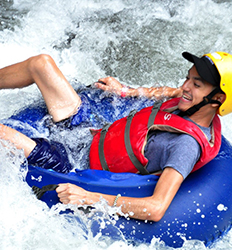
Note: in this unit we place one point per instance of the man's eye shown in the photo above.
(196, 85)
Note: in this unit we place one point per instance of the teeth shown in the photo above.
(186, 97)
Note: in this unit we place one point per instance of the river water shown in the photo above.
(139, 42)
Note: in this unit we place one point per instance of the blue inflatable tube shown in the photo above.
(201, 210)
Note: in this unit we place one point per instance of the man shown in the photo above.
(200, 100)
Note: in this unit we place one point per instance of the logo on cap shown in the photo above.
(216, 56)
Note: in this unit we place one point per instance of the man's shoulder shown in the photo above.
(187, 139)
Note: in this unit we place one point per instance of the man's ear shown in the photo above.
(219, 97)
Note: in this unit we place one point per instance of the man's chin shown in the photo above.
(183, 109)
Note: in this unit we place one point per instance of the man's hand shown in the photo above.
(109, 84)
(71, 194)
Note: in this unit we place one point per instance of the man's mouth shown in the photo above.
(187, 97)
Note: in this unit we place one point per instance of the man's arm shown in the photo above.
(149, 208)
(110, 84)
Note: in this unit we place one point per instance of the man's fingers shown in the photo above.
(62, 187)
(101, 86)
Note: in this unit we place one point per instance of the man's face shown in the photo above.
(194, 89)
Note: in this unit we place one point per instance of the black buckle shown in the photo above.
(106, 127)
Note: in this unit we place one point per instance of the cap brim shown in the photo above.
(204, 68)
(191, 57)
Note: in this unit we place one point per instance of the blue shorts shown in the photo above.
(99, 108)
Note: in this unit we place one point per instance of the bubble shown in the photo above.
(221, 207)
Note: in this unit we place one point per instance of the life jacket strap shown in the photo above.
(155, 109)
(101, 147)
(129, 149)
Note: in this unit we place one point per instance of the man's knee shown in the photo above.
(40, 64)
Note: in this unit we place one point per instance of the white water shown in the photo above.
(139, 42)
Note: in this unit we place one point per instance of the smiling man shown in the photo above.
(167, 151)
(155, 139)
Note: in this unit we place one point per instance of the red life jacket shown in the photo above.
(114, 151)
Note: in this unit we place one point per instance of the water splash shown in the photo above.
(140, 42)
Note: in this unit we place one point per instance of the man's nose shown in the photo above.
(186, 85)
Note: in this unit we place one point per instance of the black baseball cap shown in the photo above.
(205, 68)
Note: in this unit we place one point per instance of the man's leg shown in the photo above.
(38, 151)
(18, 139)
(61, 99)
